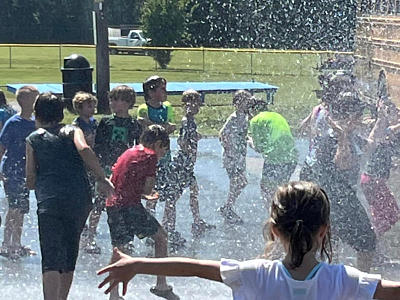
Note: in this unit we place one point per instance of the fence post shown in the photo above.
(301, 62)
(9, 54)
(204, 62)
(59, 56)
(251, 63)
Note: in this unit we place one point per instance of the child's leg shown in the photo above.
(18, 203)
(194, 202)
(237, 183)
(17, 230)
(120, 235)
(93, 222)
(160, 250)
(169, 218)
(65, 284)
(51, 285)
(364, 260)
(199, 225)
(94, 217)
(8, 228)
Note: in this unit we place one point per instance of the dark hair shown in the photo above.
(347, 104)
(48, 108)
(153, 134)
(152, 83)
(241, 96)
(3, 99)
(123, 92)
(298, 211)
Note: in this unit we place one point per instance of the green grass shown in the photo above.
(294, 74)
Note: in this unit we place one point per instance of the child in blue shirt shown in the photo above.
(157, 110)
(6, 111)
(12, 153)
(85, 105)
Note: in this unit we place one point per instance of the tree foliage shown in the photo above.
(280, 24)
(59, 21)
(284, 24)
(163, 22)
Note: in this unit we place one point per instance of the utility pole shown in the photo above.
(102, 58)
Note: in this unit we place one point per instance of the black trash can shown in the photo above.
(76, 77)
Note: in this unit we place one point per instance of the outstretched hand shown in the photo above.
(120, 271)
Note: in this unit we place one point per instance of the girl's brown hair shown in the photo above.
(298, 211)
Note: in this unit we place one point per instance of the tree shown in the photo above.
(163, 22)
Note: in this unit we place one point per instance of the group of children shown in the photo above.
(339, 142)
(135, 154)
(152, 173)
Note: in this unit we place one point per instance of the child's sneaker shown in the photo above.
(25, 251)
(149, 242)
(230, 216)
(175, 240)
(166, 294)
(92, 248)
(198, 229)
(5, 251)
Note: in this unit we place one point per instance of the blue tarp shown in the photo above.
(173, 88)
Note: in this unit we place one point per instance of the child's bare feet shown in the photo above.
(176, 241)
(199, 228)
(230, 216)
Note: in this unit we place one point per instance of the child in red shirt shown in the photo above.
(134, 177)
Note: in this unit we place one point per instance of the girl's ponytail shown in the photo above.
(300, 242)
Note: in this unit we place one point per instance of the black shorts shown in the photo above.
(277, 173)
(59, 241)
(349, 220)
(126, 222)
(17, 195)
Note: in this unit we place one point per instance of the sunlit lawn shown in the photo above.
(294, 74)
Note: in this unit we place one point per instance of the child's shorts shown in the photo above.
(17, 195)
(277, 173)
(59, 240)
(126, 222)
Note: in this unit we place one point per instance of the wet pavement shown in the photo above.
(23, 278)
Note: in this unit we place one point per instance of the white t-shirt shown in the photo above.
(265, 279)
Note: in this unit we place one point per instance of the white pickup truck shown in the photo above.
(135, 38)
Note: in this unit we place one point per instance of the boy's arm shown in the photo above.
(99, 140)
(149, 185)
(126, 267)
(304, 127)
(30, 167)
(387, 290)
(91, 161)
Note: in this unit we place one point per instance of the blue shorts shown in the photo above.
(17, 195)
